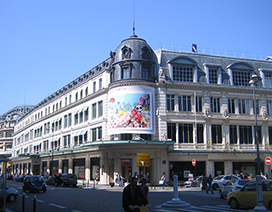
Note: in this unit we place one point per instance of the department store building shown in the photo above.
(169, 106)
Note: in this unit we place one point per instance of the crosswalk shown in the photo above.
(206, 208)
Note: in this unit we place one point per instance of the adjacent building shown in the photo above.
(7, 122)
(148, 113)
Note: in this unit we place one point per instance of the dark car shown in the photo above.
(18, 178)
(68, 179)
(50, 180)
(34, 183)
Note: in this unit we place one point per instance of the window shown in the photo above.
(94, 87)
(198, 104)
(269, 107)
(171, 131)
(94, 134)
(241, 78)
(125, 73)
(182, 74)
(268, 80)
(270, 135)
(76, 98)
(216, 134)
(259, 134)
(184, 103)
(69, 119)
(70, 99)
(65, 101)
(257, 107)
(86, 114)
(170, 102)
(213, 76)
(185, 133)
(86, 91)
(245, 134)
(81, 94)
(231, 106)
(243, 105)
(81, 116)
(233, 134)
(99, 136)
(94, 110)
(100, 108)
(60, 123)
(65, 121)
(76, 118)
(199, 131)
(215, 105)
(145, 73)
(100, 83)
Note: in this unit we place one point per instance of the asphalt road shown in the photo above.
(109, 199)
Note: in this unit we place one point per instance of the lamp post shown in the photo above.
(259, 189)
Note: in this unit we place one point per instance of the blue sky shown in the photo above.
(44, 45)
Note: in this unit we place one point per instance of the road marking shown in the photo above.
(57, 206)
(38, 200)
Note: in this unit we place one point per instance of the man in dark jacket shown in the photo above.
(133, 197)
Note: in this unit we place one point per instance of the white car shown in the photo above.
(11, 194)
(219, 180)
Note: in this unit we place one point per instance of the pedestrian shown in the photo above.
(121, 181)
(144, 188)
(209, 181)
(133, 197)
(204, 183)
(162, 181)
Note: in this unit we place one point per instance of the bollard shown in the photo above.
(23, 203)
(94, 184)
(34, 203)
(88, 182)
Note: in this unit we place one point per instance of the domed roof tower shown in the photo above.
(133, 60)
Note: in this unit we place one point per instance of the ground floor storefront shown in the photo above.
(107, 165)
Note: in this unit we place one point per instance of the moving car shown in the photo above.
(219, 180)
(68, 179)
(11, 194)
(231, 185)
(247, 197)
(34, 183)
(197, 182)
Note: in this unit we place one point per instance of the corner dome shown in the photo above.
(136, 58)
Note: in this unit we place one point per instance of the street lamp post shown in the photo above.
(259, 189)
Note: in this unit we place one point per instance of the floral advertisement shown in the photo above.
(131, 110)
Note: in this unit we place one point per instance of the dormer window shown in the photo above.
(125, 72)
(145, 72)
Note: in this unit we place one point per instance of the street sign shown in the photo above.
(143, 159)
(193, 162)
(268, 160)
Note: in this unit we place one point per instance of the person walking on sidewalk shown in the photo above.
(209, 181)
(133, 197)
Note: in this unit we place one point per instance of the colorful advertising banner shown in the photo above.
(131, 110)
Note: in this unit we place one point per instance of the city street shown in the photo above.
(106, 198)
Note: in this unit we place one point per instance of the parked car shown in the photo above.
(68, 179)
(34, 183)
(18, 178)
(197, 182)
(231, 185)
(11, 194)
(247, 197)
(50, 180)
(219, 180)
